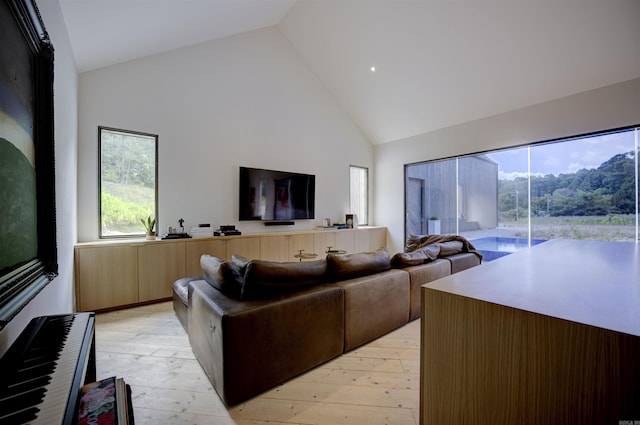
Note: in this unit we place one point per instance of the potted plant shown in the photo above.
(149, 225)
(434, 225)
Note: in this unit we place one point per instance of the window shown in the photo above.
(577, 188)
(359, 193)
(128, 181)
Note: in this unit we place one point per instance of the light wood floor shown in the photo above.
(375, 384)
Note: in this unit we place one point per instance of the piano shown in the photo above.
(42, 372)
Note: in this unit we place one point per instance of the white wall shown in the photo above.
(600, 109)
(244, 100)
(58, 296)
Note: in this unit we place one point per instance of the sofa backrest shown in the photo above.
(264, 278)
(253, 279)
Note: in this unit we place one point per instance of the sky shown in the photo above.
(565, 157)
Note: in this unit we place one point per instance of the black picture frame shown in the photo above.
(26, 84)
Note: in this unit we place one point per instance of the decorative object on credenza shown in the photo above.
(203, 230)
(227, 230)
(330, 250)
(305, 255)
(149, 224)
(179, 233)
(176, 235)
(352, 221)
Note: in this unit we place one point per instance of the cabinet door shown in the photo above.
(345, 241)
(195, 249)
(246, 246)
(377, 238)
(362, 240)
(302, 242)
(322, 241)
(159, 265)
(106, 277)
(275, 248)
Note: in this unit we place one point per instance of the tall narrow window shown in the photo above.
(359, 193)
(128, 181)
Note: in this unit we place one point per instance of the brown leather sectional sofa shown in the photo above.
(255, 324)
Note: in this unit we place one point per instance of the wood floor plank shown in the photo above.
(321, 413)
(164, 417)
(327, 375)
(377, 383)
(193, 402)
(343, 394)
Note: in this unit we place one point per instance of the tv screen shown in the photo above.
(270, 195)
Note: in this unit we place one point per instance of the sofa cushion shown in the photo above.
(349, 266)
(464, 260)
(222, 275)
(265, 278)
(374, 305)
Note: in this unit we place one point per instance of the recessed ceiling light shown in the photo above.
(373, 69)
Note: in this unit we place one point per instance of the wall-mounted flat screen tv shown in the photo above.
(270, 195)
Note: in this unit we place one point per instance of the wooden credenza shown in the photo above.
(547, 335)
(118, 273)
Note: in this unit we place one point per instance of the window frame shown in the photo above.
(364, 221)
(156, 215)
(532, 145)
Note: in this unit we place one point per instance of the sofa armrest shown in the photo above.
(181, 299)
(463, 261)
(246, 347)
(421, 274)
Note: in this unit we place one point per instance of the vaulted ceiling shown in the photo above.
(437, 62)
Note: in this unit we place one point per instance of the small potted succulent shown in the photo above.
(434, 225)
(149, 224)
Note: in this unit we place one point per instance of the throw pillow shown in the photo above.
(406, 259)
(221, 275)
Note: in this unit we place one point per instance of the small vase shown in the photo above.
(434, 227)
(151, 236)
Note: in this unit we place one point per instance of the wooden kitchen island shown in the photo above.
(547, 335)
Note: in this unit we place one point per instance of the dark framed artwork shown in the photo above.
(28, 250)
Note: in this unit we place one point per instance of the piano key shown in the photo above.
(40, 381)
(47, 370)
(21, 401)
(21, 417)
(57, 394)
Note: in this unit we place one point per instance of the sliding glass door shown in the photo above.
(577, 188)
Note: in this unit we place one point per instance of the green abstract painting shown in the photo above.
(18, 221)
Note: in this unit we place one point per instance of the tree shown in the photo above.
(608, 189)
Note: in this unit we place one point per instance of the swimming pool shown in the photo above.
(493, 247)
